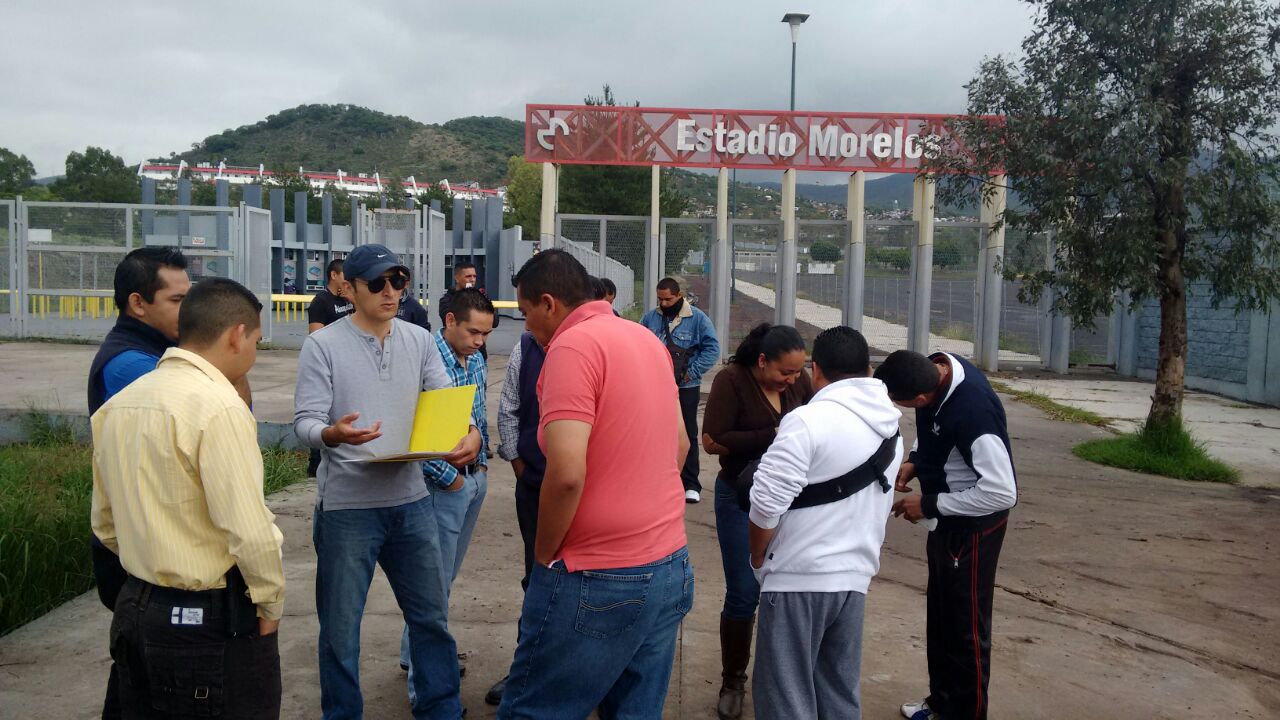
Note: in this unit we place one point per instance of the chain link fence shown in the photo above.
(1093, 346)
(953, 295)
(754, 264)
(822, 274)
(886, 299)
(1022, 326)
(686, 257)
(612, 247)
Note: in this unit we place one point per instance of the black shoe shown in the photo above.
(494, 696)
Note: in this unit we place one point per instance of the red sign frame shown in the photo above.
(711, 138)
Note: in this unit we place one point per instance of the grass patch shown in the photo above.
(1164, 450)
(954, 331)
(282, 468)
(1053, 408)
(46, 488)
(45, 493)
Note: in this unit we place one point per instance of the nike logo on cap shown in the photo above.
(382, 256)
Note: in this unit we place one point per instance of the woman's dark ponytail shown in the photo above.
(771, 340)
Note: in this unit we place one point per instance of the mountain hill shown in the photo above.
(356, 139)
(881, 193)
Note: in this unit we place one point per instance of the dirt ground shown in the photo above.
(1119, 595)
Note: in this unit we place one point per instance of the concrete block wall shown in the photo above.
(1230, 353)
(1217, 340)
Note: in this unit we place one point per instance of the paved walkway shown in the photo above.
(1243, 435)
(1119, 595)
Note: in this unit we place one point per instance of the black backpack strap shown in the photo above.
(839, 488)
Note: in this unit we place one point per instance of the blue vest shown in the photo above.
(129, 333)
(529, 414)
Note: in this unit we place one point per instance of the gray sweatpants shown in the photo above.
(809, 655)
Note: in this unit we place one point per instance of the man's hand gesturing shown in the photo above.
(344, 432)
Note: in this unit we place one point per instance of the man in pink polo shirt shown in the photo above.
(612, 578)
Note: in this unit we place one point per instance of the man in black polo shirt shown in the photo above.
(328, 305)
(967, 484)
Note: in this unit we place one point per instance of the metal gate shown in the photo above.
(10, 314)
(62, 258)
(253, 266)
(402, 232)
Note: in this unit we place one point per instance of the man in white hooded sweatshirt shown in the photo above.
(819, 505)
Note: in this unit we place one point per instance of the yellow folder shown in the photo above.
(440, 421)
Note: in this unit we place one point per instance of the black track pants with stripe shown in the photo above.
(962, 579)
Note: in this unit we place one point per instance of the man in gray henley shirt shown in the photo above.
(369, 368)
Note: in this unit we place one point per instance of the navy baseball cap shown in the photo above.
(368, 262)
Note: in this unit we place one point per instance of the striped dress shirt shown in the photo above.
(475, 372)
(177, 483)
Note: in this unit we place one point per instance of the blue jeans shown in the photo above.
(456, 514)
(405, 542)
(598, 638)
(741, 590)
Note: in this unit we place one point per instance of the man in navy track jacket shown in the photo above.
(967, 483)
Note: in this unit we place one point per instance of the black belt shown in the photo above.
(238, 609)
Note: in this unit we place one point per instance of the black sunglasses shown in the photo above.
(398, 281)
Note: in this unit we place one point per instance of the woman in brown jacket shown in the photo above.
(765, 379)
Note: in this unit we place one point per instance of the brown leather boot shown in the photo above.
(735, 654)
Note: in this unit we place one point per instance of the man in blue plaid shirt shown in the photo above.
(466, 326)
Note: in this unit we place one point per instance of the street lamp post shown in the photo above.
(795, 20)
(785, 295)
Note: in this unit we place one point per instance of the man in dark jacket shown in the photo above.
(518, 415)
(967, 484)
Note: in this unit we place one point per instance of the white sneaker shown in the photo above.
(917, 711)
(692, 496)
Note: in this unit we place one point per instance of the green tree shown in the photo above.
(291, 182)
(427, 193)
(614, 189)
(393, 191)
(524, 193)
(341, 204)
(1142, 133)
(619, 190)
(16, 173)
(96, 175)
(824, 252)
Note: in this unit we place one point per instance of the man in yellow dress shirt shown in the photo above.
(177, 494)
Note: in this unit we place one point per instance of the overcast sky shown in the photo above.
(147, 78)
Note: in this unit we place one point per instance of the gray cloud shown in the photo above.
(147, 78)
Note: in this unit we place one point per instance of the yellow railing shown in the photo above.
(287, 308)
(100, 304)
